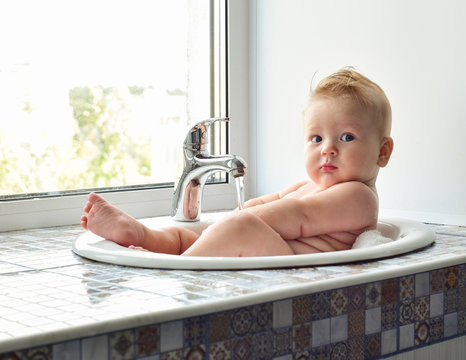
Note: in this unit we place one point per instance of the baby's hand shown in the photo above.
(140, 248)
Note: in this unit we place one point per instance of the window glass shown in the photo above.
(98, 94)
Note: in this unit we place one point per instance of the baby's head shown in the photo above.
(349, 84)
(347, 125)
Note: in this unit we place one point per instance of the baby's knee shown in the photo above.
(237, 222)
(246, 218)
(246, 222)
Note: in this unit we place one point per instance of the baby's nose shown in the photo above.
(329, 148)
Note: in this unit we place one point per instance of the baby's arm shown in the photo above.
(274, 196)
(344, 207)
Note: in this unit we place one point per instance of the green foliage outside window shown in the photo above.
(103, 152)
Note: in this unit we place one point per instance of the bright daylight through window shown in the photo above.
(99, 93)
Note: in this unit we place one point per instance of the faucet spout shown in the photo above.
(198, 165)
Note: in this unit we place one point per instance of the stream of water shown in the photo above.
(240, 191)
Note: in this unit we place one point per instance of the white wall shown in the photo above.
(414, 49)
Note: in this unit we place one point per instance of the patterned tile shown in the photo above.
(262, 317)
(437, 280)
(436, 328)
(242, 348)
(122, 345)
(302, 355)
(406, 312)
(451, 278)
(462, 299)
(356, 298)
(302, 337)
(220, 350)
(373, 295)
(148, 340)
(320, 305)
(421, 333)
(389, 316)
(195, 353)
(42, 353)
(406, 287)
(302, 309)
(451, 301)
(389, 291)
(356, 324)
(339, 351)
(372, 346)
(220, 327)
(283, 341)
(172, 355)
(422, 308)
(462, 322)
(356, 348)
(462, 276)
(263, 345)
(338, 302)
(195, 331)
(16, 355)
(321, 352)
(241, 321)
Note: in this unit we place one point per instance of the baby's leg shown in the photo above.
(113, 224)
(240, 234)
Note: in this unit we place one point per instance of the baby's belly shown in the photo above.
(324, 243)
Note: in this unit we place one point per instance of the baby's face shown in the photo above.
(342, 143)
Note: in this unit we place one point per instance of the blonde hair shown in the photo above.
(347, 83)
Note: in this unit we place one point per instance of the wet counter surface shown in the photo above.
(49, 294)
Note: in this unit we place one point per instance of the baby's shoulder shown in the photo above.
(354, 192)
(356, 186)
(353, 188)
(299, 190)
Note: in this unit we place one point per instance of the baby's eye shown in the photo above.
(347, 137)
(316, 139)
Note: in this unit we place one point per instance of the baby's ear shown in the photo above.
(385, 152)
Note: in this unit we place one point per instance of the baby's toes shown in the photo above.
(88, 207)
(84, 221)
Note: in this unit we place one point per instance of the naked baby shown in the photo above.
(347, 125)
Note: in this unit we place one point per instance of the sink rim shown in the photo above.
(410, 235)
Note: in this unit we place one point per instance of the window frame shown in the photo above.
(66, 210)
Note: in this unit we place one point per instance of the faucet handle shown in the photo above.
(198, 136)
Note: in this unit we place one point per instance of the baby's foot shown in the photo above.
(111, 223)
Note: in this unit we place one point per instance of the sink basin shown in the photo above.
(407, 236)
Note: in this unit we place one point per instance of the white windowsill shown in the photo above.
(48, 212)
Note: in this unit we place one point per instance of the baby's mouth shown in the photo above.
(327, 167)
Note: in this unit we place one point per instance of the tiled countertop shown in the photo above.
(47, 293)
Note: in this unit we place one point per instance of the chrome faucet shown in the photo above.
(198, 165)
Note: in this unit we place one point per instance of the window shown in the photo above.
(96, 93)
(96, 88)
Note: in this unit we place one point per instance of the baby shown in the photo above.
(347, 125)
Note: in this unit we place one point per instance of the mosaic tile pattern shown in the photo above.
(45, 288)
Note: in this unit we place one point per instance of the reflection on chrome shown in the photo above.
(198, 165)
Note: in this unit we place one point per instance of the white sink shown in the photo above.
(407, 236)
